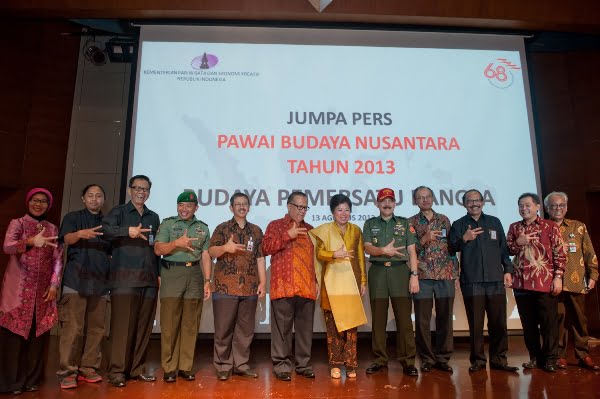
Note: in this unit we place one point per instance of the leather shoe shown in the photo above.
(223, 375)
(170, 377)
(504, 367)
(410, 371)
(588, 363)
(426, 367)
(551, 368)
(307, 373)
(186, 375)
(532, 364)
(247, 373)
(475, 368)
(17, 392)
(32, 388)
(561, 364)
(117, 382)
(375, 368)
(145, 378)
(443, 367)
(283, 376)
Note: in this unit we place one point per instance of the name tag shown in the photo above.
(572, 247)
(493, 235)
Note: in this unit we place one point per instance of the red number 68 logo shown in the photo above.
(498, 75)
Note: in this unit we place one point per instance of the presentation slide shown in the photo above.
(268, 111)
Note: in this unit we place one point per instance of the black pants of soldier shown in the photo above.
(539, 312)
(131, 321)
(481, 299)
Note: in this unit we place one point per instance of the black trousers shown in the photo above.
(481, 299)
(21, 360)
(286, 314)
(539, 317)
(131, 320)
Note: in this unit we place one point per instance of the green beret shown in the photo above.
(187, 196)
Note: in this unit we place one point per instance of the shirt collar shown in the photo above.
(131, 208)
(536, 221)
(394, 218)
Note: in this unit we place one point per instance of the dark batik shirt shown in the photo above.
(435, 261)
(484, 259)
(133, 263)
(86, 270)
(237, 274)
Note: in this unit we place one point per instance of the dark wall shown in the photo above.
(37, 81)
(566, 105)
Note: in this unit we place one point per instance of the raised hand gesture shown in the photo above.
(472, 233)
(186, 242)
(39, 241)
(86, 234)
(343, 253)
(232, 248)
(138, 231)
(296, 231)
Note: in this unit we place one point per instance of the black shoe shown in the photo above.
(504, 367)
(17, 392)
(375, 368)
(223, 375)
(443, 367)
(410, 371)
(426, 367)
(530, 365)
(551, 368)
(186, 375)
(307, 373)
(283, 376)
(170, 377)
(118, 382)
(247, 373)
(475, 368)
(145, 378)
(32, 388)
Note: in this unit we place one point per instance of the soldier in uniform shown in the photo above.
(182, 241)
(390, 242)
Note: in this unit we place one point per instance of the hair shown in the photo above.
(86, 188)
(559, 193)
(140, 177)
(534, 197)
(238, 195)
(420, 188)
(295, 194)
(339, 199)
(473, 190)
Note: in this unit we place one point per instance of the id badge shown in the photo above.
(572, 247)
(443, 232)
(493, 235)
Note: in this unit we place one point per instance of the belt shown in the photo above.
(167, 264)
(388, 263)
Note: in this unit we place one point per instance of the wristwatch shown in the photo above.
(414, 273)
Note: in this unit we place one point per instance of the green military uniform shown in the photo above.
(181, 292)
(388, 280)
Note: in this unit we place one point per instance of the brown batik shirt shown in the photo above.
(237, 274)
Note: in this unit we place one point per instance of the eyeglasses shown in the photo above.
(558, 206)
(474, 201)
(300, 208)
(426, 197)
(238, 205)
(137, 189)
(36, 201)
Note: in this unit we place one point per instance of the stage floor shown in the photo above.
(574, 383)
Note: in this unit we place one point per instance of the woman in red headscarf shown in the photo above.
(28, 294)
